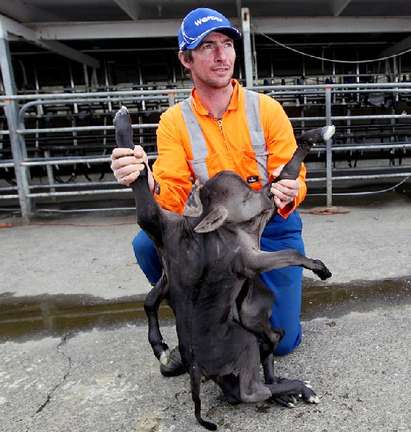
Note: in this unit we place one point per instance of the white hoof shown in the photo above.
(164, 357)
(314, 399)
(328, 132)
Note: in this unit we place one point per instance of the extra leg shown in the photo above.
(267, 360)
(230, 386)
(255, 305)
(287, 399)
(285, 392)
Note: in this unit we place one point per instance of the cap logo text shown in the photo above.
(203, 20)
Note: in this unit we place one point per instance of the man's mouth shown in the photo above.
(221, 69)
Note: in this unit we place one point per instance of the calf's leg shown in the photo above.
(151, 306)
(293, 388)
(148, 211)
(264, 261)
(255, 305)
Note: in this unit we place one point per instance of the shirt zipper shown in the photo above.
(220, 124)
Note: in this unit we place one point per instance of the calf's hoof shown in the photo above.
(294, 392)
(322, 271)
(171, 363)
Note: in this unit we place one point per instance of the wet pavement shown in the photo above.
(73, 347)
(25, 318)
(108, 380)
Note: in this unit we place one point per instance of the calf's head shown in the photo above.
(226, 198)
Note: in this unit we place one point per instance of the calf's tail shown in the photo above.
(195, 380)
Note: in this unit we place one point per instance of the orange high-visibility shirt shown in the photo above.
(228, 144)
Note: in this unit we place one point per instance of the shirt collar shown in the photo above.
(233, 105)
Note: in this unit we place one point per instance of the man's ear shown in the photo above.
(184, 60)
(213, 220)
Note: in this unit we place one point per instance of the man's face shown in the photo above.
(213, 61)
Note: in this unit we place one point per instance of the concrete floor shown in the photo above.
(356, 354)
(108, 380)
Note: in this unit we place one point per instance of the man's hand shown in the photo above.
(127, 164)
(284, 191)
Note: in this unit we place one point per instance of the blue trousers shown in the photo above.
(286, 283)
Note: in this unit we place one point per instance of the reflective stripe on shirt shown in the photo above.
(252, 108)
(198, 142)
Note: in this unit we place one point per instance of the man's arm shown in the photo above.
(171, 169)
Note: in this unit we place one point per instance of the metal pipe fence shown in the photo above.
(323, 98)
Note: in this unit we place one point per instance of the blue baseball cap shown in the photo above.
(199, 23)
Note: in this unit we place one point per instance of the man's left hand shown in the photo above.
(284, 191)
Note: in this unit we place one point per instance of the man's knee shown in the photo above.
(286, 285)
(147, 257)
(141, 246)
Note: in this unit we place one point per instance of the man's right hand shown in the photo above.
(127, 164)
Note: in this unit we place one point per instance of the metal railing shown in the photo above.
(322, 97)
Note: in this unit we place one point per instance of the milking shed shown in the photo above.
(67, 66)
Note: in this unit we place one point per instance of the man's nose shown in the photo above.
(220, 53)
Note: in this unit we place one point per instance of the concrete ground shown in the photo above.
(355, 352)
(108, 380)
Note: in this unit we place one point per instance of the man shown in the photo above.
(222, 126)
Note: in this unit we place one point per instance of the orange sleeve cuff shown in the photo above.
(289, 208)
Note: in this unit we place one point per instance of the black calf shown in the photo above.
(211, 260)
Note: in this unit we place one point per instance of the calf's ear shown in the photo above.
(212, 220)
(194, 207)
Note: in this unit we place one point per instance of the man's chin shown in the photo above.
(220, 83)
